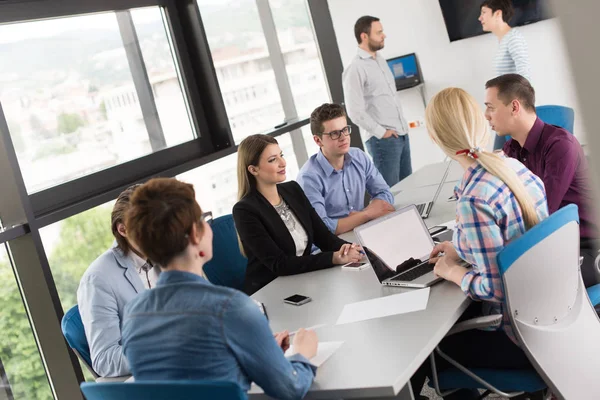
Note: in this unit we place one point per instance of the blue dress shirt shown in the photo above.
(334, 194)
(189, 329)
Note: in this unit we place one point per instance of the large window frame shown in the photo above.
(23, 214)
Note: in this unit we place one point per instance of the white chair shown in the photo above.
(552, 316)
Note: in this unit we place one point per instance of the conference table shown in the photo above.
(380, 355)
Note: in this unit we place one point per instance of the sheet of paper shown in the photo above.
(401, 303)
(324, 351)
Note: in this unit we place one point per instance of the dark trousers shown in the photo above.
(474, 349)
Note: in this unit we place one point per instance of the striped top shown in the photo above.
(488, 217)
(512, 56)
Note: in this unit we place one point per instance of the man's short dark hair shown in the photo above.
(323, 113)
(503, 5)
(363, 25)
(514, 86)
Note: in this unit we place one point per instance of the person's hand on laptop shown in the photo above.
(348, 253)
(447, 261)
(378, 208)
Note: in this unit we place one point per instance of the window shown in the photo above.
(239, 49)
(72, 244)
(216, 183)
(21, 368)
(59, 79)
(302, 58)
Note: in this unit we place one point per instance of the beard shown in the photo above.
(374, 46)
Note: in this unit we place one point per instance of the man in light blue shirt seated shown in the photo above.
(336, 178)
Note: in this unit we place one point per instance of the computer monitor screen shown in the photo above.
(406, 71)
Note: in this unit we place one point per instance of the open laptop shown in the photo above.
(393, 239)
(425, 208)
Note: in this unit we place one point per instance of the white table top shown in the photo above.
(379, 356)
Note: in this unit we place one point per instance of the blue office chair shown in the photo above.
(541, 311)
(74, 333)
(557, 115)
(160, 390)
(228, 265)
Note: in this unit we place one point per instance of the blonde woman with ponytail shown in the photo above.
(276, 223)
(498, 200)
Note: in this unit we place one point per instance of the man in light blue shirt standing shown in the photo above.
(373, 104)
(336, 178)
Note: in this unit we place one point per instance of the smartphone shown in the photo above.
(436, 229)
(357, 266)
(297, 300)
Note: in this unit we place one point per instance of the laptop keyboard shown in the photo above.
(414, 273)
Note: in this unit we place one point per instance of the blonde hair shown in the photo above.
(456, 122)
(249, 152)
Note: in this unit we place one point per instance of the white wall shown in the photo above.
(418, 26)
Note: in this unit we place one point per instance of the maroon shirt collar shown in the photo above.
(533, 137)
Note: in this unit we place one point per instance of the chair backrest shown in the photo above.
(228, 265)
(159, 390)
(545, 297)
(557, 115)
(74, 333)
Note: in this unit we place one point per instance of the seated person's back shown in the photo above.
(336, 179)
(189, 329)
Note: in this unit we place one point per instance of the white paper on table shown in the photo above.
(324, 351)
(401, 303)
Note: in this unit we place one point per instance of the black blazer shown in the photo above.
(269, 245)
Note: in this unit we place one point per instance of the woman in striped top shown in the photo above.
(499, 199)
(512, 56)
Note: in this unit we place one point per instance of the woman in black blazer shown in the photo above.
(276, 223)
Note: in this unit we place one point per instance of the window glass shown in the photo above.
(242, 64)
(301, 55)
(22, 374)
(216, 183)
(69, 99)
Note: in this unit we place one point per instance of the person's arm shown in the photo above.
(323, 237)
(560, 164)
(517, 49)
(376, 186)
(249, 337)
(355, 102)
(479, 241)
(313, 189)
(100, 316)
(257, 240)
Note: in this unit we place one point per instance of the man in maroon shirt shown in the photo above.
(550, 152)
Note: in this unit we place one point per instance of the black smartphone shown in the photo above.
(434, 230)
(445, 236)
(297, 299)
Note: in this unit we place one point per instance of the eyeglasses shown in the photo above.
(335, 135)
(207, 217)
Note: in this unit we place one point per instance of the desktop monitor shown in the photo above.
(406, 71)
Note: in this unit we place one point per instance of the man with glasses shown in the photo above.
(373, 104)
(336, 178)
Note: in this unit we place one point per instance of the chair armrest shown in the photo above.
(113, 379)
(488, 321)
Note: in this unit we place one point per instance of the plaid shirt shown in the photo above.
(488, 217)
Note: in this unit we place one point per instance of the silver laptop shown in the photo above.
(425, 208)
(391, 241)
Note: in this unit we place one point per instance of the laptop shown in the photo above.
(391, 241)
(424, 209)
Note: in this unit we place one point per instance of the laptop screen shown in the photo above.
(397, 237)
